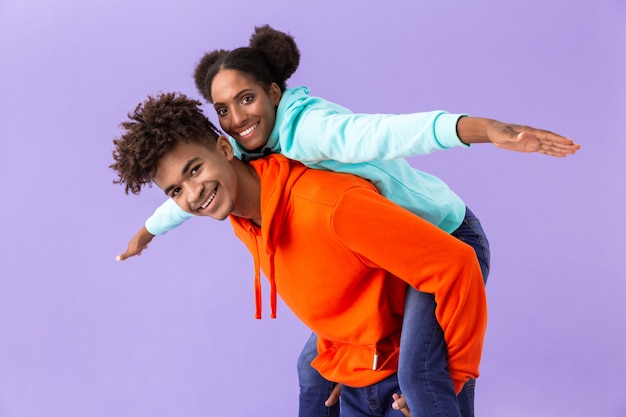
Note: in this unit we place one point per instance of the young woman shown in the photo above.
(247, 87)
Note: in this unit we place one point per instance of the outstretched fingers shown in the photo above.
(546, 142)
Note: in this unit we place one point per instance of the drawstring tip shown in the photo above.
(375, 362)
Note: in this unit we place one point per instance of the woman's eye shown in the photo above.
(175, 192)
(221, 112)
(246, 99)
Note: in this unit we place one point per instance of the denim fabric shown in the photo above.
(422, 368)
(422, 373)
(373, 400)
(314, 389)
(472, 233)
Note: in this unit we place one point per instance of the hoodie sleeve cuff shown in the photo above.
(152, 225)
(445, 131)
(165, 218)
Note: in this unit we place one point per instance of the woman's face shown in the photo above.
(244, 109)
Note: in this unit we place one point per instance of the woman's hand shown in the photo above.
(137, 244)
(514, 137)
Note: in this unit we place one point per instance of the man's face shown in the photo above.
(201, 181)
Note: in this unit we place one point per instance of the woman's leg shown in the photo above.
(314, 389)
(422, 372)
(423, 364)
(472, 233)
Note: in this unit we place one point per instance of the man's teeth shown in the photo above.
(248, 130)
(211, 197)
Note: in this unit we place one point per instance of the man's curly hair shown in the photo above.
(153, 129)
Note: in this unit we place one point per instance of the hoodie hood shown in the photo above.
(278, 176)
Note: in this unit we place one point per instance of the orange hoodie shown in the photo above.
(340, 255)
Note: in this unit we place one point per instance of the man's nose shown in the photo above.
(193, 190)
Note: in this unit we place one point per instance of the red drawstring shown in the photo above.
(272, 287)
(258, 300)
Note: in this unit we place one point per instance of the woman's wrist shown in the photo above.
(473, 129)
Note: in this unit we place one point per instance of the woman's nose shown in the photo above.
(239, 117)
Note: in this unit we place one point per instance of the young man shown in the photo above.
(311, 230)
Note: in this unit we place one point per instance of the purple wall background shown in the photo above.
(171, 333)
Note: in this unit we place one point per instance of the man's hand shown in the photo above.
(400, 404)
(334, 396)
(137, 244)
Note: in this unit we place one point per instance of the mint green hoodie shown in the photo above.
(325, 135)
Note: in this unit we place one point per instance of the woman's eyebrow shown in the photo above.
(237, 96)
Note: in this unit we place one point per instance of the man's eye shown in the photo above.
(195, 170)
(175, 192)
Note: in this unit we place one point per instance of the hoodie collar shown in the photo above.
(278, 175)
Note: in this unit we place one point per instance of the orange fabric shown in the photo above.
(341, 257)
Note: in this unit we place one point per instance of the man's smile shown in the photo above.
(209, 199)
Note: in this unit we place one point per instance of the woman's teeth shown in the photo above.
(248, 130)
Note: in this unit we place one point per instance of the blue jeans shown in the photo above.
(422, 373)
(314, 389)
(472, 233)
(373, 400)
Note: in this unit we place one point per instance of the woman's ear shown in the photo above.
(224, 147)
(275, 93)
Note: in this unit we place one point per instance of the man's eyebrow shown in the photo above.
(184, 172)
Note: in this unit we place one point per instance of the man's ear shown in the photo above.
(224, 146)
(275, 93)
